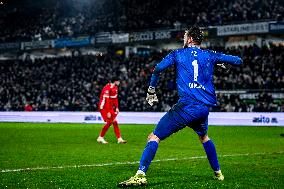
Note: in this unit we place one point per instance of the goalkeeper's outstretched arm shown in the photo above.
(226, 61)
(233, 60)
(164, 64)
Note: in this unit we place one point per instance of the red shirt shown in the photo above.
(108, 98)
(28, 108)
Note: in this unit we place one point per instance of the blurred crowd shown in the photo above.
(60, 18)
(75, 83)
(262, 69)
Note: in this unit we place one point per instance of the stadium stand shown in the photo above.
(24, 23)
(74, 83)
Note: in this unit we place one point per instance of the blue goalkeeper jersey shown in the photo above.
(194, 72)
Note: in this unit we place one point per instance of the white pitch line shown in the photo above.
(129, 163)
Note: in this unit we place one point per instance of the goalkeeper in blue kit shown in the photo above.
(194, 79)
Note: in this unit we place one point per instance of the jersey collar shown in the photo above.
(194, 46)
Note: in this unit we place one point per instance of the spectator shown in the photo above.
(49, 19)
(28, 108)
(74, 83)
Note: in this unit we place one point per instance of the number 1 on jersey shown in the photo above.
(195, 69)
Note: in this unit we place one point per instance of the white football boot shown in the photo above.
(137, 180)
(218, 175)
(121, 141)
(101, 140)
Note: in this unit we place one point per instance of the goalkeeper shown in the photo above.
(194, 78)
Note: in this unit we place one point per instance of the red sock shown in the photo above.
(116, 129)
(105, 128)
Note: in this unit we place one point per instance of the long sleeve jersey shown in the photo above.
(194, 72)
(109, 97)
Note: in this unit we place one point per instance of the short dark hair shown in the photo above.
(114, 78)
(196, 33)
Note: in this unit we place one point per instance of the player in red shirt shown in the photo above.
(108, 106)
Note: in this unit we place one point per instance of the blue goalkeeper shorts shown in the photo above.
(181, 115)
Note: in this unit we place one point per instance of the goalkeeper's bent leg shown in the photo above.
(210, 150)
(149, 153)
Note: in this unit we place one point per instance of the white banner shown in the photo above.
(120, 38)
(247, 118)
(215, 118)
(261, 27)
(142, 36)
(36, 45)
(162, 35)
(103, 37)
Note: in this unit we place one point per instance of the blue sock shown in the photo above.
(211, 155)
(148, 155)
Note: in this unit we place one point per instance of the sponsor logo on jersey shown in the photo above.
(196, 86)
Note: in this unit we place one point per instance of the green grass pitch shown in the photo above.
(36, 155)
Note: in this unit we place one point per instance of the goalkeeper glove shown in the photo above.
(151, 96)
(222, 65)
(225, 67)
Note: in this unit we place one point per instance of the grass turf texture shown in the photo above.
(30, 145)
